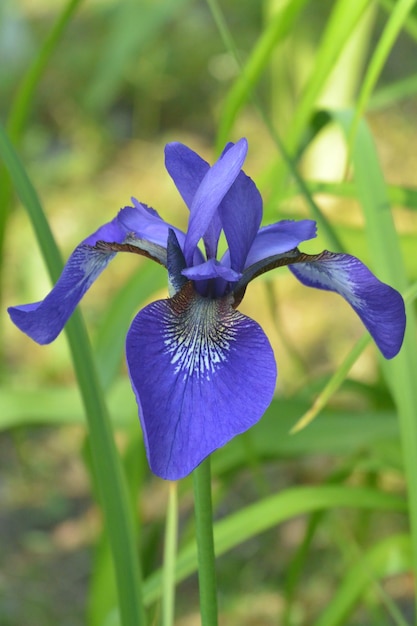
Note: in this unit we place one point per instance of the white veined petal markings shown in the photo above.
(198, 335)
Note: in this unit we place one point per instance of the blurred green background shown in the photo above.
(123, 78)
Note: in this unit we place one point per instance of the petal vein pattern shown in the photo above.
(202, 373)
(199, 339)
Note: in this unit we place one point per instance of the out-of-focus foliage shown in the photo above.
(318, 527)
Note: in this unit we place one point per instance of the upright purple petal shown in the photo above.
(241, 214)
(186, 168)
(202, 373)
(380, 307)
(214, 186)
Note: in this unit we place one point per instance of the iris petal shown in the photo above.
(278, 238)
(211, 269)
(187, 169)
(145, 223)
(241, 214)
(380, 307)
(43, 321)
(211, 191)
(202, 373)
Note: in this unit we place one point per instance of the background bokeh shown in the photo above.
(122, 79)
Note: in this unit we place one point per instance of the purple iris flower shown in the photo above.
(201, 371)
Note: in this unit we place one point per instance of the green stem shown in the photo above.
(205, 544)
(111, 481)
(170, 552)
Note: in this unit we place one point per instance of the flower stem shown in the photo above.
(170, 550)
(205, 544)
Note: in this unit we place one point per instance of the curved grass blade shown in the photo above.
(388, 557)
(341, 373)
(391, 31)
(108, 471)
(393, 93)
(343, 20)
(399, 195)
(410, 25)
(258, 517)
(59, 406)
(278, 28)
(333, 384)
(133, 24)
(23, 102)
(384, 246)
(333, 239)
(298, 562)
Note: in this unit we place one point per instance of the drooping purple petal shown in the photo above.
(380, 307)
(202, 373)
(211, 191)
(278, 238)
(43, 321)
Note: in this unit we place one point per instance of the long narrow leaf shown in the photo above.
(278, 28)
(257, 518)
(386, 253)
(109, 475)
(23, 102)
(387, 558)
(323, 222)
(395, 22)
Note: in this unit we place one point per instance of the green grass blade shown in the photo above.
(334, 241)
(391, 94)
(269, 512)
(344, 18)
(386, 253)
(108, 471)
(399, 195)
(170, 552)
(387, 558)
(23, 102)
(410, 25)
(58, 406)
(132, 26)
(393, 27)
(333, 384)
(341, 373)
(278, 28)
(335, 433)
